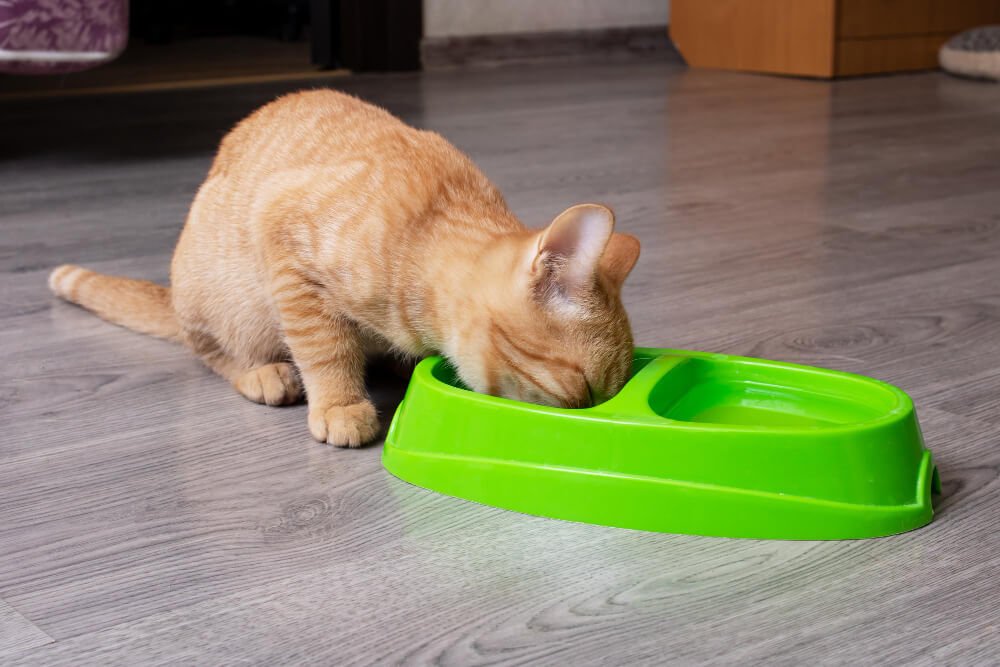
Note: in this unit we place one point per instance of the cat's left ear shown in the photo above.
(569, 250)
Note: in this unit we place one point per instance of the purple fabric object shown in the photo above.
(53, 36)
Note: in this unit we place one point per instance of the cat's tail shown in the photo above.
(135, 304)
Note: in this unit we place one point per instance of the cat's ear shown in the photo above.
(620, 255)
(569, 250)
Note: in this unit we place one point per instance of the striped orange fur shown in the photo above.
(327, 230)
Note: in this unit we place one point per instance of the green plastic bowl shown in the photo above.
(696, 443)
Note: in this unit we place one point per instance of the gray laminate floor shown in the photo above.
(150, 515)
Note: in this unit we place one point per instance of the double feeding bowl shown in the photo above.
(696, 443)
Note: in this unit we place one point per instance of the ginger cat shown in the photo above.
(328, 230)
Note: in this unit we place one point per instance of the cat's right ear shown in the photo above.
(569, 251)
(619, 257)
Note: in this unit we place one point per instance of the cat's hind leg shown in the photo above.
(271, 384)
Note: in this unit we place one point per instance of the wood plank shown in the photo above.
(779, 36)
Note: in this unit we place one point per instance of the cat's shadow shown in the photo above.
(387, 384)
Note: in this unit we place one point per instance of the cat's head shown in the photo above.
(555, 331)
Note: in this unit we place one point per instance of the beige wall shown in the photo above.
(448, 18)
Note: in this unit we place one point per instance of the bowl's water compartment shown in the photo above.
(738, 393)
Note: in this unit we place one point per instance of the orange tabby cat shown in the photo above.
(327, 230)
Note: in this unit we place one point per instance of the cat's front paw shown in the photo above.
(344, 425)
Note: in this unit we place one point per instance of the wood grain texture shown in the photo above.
(882, 18)
(781, 36)
(18, 634)
(822, 38)
(902, 35)
(149, 515)
(888, 54)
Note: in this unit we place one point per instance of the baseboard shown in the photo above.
(638, 42)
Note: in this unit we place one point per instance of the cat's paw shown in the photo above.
(273, 384)
(344, 425)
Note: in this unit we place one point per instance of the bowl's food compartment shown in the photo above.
(742, 393)
(445, 372)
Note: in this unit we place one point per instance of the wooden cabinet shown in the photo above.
(821, 38)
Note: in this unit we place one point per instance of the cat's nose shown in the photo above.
(598, 396)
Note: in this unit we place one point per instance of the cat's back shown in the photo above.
(314, 128)
(328, 143)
